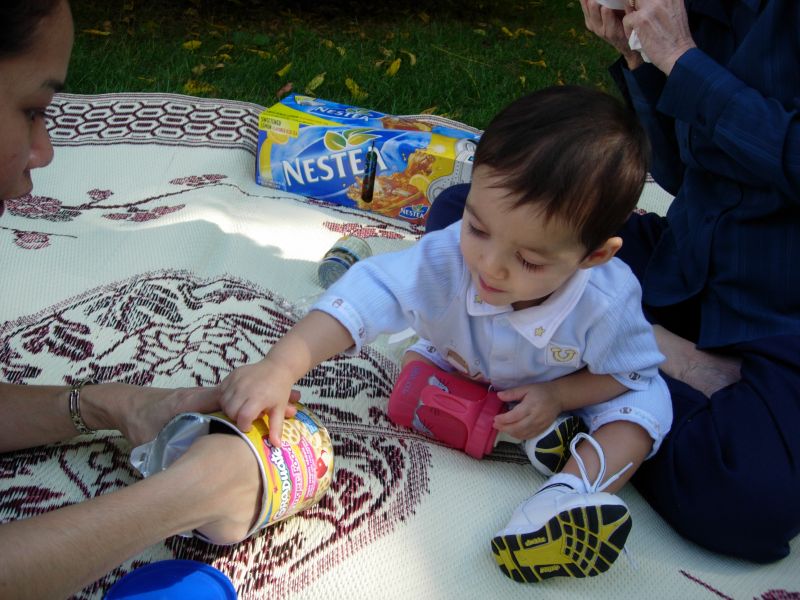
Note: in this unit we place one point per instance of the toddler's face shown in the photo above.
(515, 255)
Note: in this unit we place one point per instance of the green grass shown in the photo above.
(469, 59)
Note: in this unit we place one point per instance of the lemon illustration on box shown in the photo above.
(320, 149)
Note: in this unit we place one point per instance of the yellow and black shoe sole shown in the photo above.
(580, 542)
(553, 449)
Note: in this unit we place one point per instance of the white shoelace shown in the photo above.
(598, 485)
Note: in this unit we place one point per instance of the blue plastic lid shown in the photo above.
(173, 579)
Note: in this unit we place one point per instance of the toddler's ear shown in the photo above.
(603, 254)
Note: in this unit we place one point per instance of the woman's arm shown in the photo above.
(640, 84)
(214, 487)
(33, 415)
(731, 127)
(704, 371)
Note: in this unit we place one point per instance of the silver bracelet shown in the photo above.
(75, 406)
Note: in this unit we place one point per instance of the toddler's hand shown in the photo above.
(536, 410)
(253, 390)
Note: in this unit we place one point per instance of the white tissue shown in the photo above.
(615, 4)
(635, 44)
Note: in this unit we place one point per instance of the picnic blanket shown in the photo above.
(147, 254)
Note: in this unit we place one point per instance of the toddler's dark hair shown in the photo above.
(19, 19)
(578, 152)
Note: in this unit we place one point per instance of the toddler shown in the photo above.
(524, 294)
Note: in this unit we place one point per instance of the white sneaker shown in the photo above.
(563, 532)
(550, 450)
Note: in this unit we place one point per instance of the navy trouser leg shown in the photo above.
(727, 476)
(447, 207)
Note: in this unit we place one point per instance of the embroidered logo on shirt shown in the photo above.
(538, 332)
(559, 355)
(477, 299)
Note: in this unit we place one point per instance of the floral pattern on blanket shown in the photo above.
(146, 209)
(168, 323)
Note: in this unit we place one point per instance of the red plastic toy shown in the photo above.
(446, 407)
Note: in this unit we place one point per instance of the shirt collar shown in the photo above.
(537, 323)
(478, 308)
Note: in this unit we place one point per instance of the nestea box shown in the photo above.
(320, 149)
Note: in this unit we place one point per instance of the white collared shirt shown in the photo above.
(594, 320)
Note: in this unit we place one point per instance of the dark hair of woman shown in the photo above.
(19, 20)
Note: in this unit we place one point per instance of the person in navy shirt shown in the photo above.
(718, 94)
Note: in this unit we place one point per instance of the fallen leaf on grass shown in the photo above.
(332, 46)
(411, 58)
(260, 53)
(536, 63)
(356, 91)
(199, 70)
(96, 32)
(394, 67)
(284, 70)
(315, 83)
(429, 111)
(194, 87)
(517, 32)
(192, 45)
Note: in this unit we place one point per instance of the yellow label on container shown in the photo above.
(298, 472)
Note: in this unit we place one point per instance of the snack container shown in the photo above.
(294, 476)
(320, 149)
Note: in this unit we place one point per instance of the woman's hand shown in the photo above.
(703, 371)
(140, 412)
(663, 30)
(606, 23)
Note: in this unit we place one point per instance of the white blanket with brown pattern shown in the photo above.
(147, 254)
